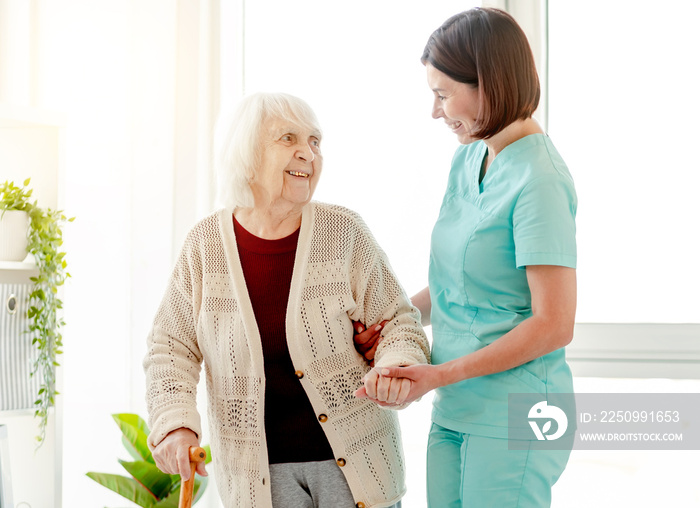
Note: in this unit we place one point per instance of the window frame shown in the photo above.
(635, 350)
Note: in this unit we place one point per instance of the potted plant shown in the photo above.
(14, 223)
(44, 241)
(147, 486)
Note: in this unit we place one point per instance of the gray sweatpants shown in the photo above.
(310, 485)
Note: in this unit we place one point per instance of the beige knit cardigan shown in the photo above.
(340, 274)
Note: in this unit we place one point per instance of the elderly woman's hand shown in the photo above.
(367, 340)
(172, 455)
(421, 379)
(386, 391)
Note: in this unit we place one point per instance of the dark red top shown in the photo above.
(293, 431)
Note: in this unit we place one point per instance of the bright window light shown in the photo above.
(358, 65)
(623, 109)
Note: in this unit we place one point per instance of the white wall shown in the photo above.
(31, 147)
(30, 466)
(110, 67)
(133, 79)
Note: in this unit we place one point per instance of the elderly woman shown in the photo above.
(264, 293)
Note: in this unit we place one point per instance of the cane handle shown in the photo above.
(197, 455)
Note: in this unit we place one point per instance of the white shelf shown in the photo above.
(12, 272)
(18, 265)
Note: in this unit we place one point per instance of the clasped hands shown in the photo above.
(389, 386)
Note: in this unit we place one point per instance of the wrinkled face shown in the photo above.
(291, 164)
(457, 103)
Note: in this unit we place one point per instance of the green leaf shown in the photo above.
(135, 431)
(207, 449)
(125, 487)
(148, 475)
(172, 501)
(200, 485)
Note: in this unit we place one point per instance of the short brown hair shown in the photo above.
(486, 48)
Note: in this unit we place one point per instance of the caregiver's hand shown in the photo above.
(367, 340)
(172, 455)
(385, 391)
(423, 378)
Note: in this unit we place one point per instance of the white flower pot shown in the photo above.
(13, 235)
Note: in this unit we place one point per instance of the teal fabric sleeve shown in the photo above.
(544, 227)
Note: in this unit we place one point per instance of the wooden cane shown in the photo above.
(187, 487)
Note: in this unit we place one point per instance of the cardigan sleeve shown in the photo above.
(381, 297)
(173, 360)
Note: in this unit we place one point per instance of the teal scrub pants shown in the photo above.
(468, 471)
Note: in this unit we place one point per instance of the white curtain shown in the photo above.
(138, 83)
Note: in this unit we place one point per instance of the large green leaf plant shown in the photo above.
(146, 486)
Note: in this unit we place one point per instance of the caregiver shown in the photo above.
(502, 280)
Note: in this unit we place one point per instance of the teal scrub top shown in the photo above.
(522, 213)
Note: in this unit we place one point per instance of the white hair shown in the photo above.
(238, 144)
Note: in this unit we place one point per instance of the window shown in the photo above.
(358, 65)
(623, 112)
(620, 83)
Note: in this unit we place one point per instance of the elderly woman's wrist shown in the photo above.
(393, 360)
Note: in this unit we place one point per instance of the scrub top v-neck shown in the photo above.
(522, 213)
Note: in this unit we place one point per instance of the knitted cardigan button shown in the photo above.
(299, 374)
(322, 418)
(360, 505)
(341, 462)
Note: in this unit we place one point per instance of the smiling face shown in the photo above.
(290, 165)
(457, 103)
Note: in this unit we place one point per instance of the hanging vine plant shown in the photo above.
(45, 239)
